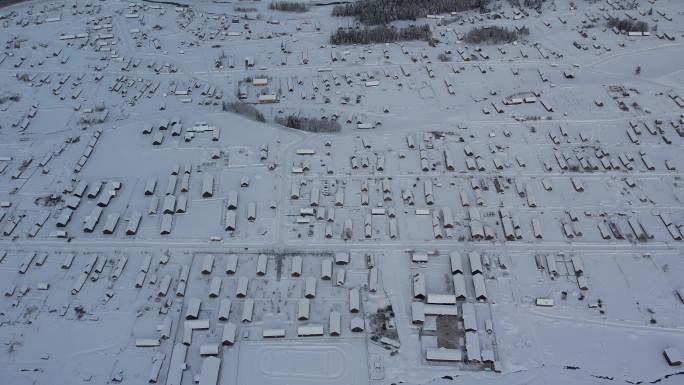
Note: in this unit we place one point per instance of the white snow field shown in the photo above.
(457, 192)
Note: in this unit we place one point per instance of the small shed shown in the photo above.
(487, 356)
(231, 264)
(480, 288)
(294, 191)
(373, 277)
(456, 262)
(193, 309)
(215, 287)
(673, 356)
(232, 202)
(242, 284)
(444, 354)
(417, 313)
(339, 197)
(419, 286)
(578, 265)
(335, 324)
(341, 258)
(209, 350)
(551, 265)
(310, 287)
(251, 211)
(583, 283)
(441, 299)
(273, 333)
(354, 300)
(326, 269)
(171, 185)
(469, 317)
(230, 221)
(315, 197)
(459, 287)
(340, 277)
(475, 263)
(207, 186)
(262, 264)
(224, 309)
(544, 302)
(310, 330)
(419, 257)
(296, 269)
(247, 310)
(133, 223)
(167, 223)
(207, 264)
(472, 342)
(357, 324)
(228, 335)
(110, 223)
(80, 189)
(169, 204)
(303, 309)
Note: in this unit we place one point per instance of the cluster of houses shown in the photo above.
(468, 293)
(100, 192)
(317, 211)
(88, 151)
(559, 265)
(211, 321)
(175, 198)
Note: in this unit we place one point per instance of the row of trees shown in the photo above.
(9, 97)
(289, 6)
(5, 3)
(494, 35)
(297, 122)
(380, 34)
(375, 12)
(535, 4)
(244, 109)
(308, 124)
(628, 25)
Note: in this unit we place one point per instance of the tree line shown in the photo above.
(495, 35)
(5, 3)
(375, 12)
(380, 34)
(628, 25)
(535, 4)
(245, 110)
(308, 124)
(289, 6)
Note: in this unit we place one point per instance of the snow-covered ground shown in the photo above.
(149, 236)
